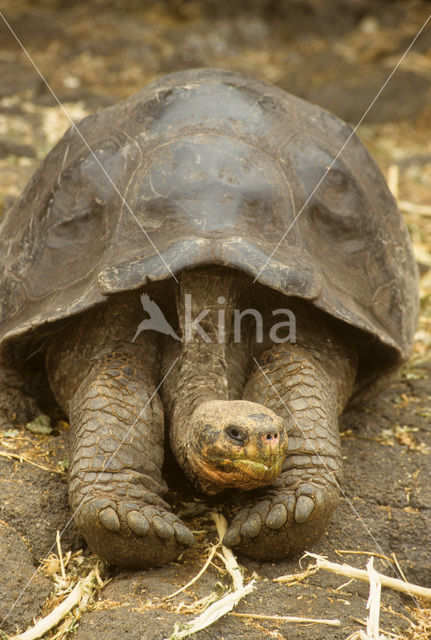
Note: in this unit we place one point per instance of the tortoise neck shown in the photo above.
(201, 375)
(210, 364)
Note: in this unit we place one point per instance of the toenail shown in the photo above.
(303, 509)
(109, 519)
(137, 523)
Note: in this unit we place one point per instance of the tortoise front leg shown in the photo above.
(116, 485)
(292, 514)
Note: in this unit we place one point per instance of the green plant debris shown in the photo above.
(40, 425)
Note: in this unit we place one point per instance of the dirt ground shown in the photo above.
(337, 54)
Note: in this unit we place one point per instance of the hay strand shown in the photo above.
(360, 574)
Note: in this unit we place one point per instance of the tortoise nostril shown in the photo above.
(271, 437)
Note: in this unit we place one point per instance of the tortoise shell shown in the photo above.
(211, 167)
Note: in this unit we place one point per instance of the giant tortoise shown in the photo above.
(280, 284)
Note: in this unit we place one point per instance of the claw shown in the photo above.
(277, 517)
(183, 535)
(251, 528)
(109, 519)
(162, 528)
(137, 523)
(303, 509)
(232, 537)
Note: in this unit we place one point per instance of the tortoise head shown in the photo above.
(235, 444)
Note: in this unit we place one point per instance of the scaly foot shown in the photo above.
(131, 534)
(284, 522)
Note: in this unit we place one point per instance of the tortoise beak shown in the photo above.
(257, 463)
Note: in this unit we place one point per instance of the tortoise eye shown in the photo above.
(235, 434)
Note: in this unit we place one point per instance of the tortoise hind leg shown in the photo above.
(292, 514)
(116, 486)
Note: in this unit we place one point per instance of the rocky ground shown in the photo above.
(338, 55)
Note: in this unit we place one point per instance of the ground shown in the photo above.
(338, 55)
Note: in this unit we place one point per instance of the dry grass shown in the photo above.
(418, 630)
(421, 629)
(217, 607)
(34, 449)
(75, 579)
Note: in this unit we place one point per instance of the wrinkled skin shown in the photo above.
(268, 426)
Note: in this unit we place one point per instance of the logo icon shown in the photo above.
(156, 321)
